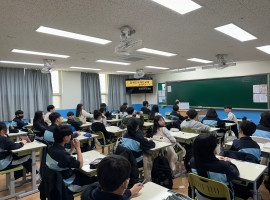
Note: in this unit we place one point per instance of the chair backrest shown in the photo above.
(77, 119)
(208, 187)
(189, 130)
(260, 139)
(100, 135)
(145, 116)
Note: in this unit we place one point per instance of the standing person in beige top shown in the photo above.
(50, 109)
(231, 118)
(82, 114)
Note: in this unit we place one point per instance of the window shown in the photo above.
(103, 88)
(56, 86)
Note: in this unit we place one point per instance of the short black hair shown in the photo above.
(130, 110)
(175, 107)
(211, 113)
(123, 108)
(102, 109)
(192, 113)
(3, 126)
(145, 103)
(50, 107)
(112, 171)
(228, 106)
(125, 104)
(265, 119)
(54, 116)
(70, 114)
(60, 132)
(18, 112)
(97, 113)
(248, 127)
(103, 105)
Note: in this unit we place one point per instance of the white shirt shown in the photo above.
(104, 120)
(232, 117)
(85, 115)
(46, 118)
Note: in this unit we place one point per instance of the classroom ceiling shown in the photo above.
(190, 35)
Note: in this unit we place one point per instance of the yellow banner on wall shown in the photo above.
(139, 83)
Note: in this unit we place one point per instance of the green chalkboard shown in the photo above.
(160, 88)
(237, 92)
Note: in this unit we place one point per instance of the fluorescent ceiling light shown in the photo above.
(39, 53)
(199, 60)
(84, 68)
(235, 32)
(265, 49)
(76, 36)
(20, 63)
(153, 67)
(180, 6)
(126, 72)
(153, 51)
(112, 62)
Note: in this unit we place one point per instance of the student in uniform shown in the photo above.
(82, 114)
(134, 140)
(263, 128)
(211, 118)
(50, 109)
(99, 126)
(39, 124)
(113, 177)
(175, 115)
(107, 114)
(9, 160)
(145, 109)
(123, 112)
(18, 120)
(205, 163)
(60, 160)
(231, 118)
(154, 112)
(72, 122)
(56, 120)
(103, 113)
(193, 123)
(132, 114)
(177, 101)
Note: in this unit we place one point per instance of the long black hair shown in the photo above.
(132, 125)
(38, 118)
(265, 119)
(153, 112)
(211, 113)
(79, 110)
(156, 124)
(203, 152)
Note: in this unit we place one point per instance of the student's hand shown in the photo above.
(136, 189)
(83, 122)
(24, 142)
(150, 139)
(77, 132)
(76, 143)
(225, 158)
(141, 113)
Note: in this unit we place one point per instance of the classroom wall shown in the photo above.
(71, 89)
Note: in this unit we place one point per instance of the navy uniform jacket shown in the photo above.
(213, 121)
(262, 131)
(75, 124)
(6, 145)
(177, 115)
(247, 145)
(145, 110)
(19, 122)
(41, 128)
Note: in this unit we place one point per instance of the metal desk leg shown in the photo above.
(255, 191)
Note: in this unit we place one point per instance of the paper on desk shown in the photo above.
(267, 145)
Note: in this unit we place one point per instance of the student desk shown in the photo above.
(184, 136)
(17, 135)
(115, 130)
(114, 121)
(200, 112)
(148, 124)
(87, 124)
(265, 151)
(229, 125)
(33, 147)
(250, 173)
(82, 138)
(160, 145)
(169, 121)
(88, 157)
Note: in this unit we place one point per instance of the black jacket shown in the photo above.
(220, 123)
(98, 126)
(240, 156)
(93, 192)
(39, 129)
(75, 124)
(19, 122)
(145, 110)
(6, 145)
(180, 117)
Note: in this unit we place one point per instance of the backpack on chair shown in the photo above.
(161, 172)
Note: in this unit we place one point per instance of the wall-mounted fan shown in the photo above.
(222, 62)
(139, 73)
(48, 66)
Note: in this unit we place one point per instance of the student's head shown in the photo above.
(39, 117)
(247, 128)
(102, 110)
(125, 104)
(102, 105)
(265, 119)
(192, 114)
(145, 103)
(51, 108)
(97, 115)
(19, 114)
(211, 113)
(79, 110)
(227, 108)
(204, 150)
(55, 118)
(177, 101)
(113, 173)
(70, 115)
(123, 108)
(175, 108)
(155, 108)
(62, 134)
(158, 122)
(133, 126)
(130, 111)
(3, 128)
